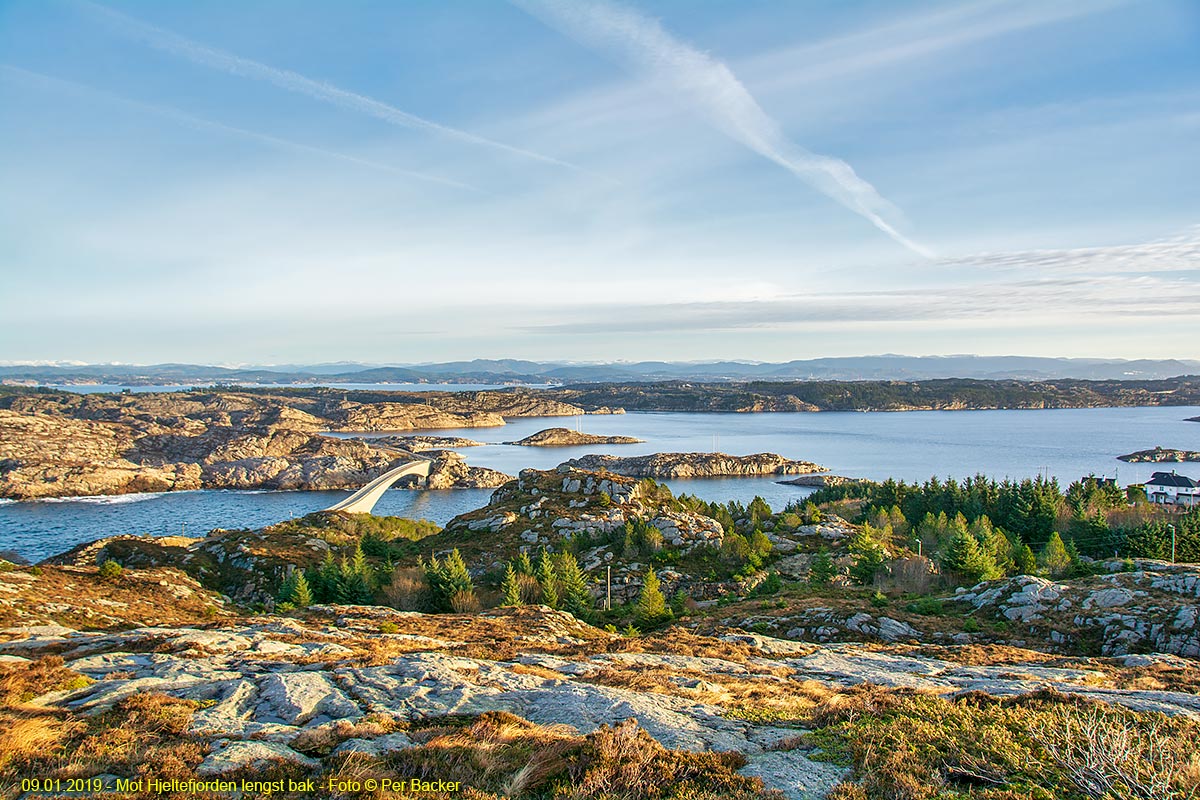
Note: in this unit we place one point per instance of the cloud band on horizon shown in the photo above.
(710, 89)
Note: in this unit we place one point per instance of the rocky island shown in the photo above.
(1161, 455)
(696, 465)
(565, 437)
(58, 444)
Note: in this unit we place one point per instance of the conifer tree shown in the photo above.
(510, 588)
(651, 605)
(1054, 556)
(821, 570)
(457, 575)
(358, 562)
(576, 598)
(287, 587)
(1024, 562)
(522, 564)
(301, 595)
(327, 579)
(964, 556)
(547, 581)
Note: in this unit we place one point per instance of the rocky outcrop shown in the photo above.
(67, 445)
(565, 437)
(1161, 455)
(695, 465)
(1154, 608)
(421, 444)
(820, 481)
(451, 471)
(548, 508)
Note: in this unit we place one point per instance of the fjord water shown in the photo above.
(912, 445)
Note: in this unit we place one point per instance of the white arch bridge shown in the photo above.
(362, 501)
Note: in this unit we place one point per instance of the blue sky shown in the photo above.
(274, 182)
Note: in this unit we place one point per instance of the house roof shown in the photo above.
(1171, 479)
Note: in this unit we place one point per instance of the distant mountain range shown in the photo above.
(511, 371)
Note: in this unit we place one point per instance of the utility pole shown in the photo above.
(608, 591)
(1172, 527)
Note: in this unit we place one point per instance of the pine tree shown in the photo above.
(547, 581)
(327, 580)
(301, 596)
(287, 587)
(1054, 557)
(353, 585)
(510, 589)
(1024, 562)
(358, 562)
(457, 575)
(523, 565)
(964, 556)
(651, 605)
(576, 598)
(822, 569)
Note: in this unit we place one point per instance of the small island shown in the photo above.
(1160, 455)
(565, 437)
(422, 444)
(820, 481)
(696, 465)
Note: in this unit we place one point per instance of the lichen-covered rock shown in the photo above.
(1152, 608)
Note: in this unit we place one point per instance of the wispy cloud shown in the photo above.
(1135, 281)
(710, 89)
(1179, 253)
(173, 43)
(191, 121)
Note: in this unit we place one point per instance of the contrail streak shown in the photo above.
(711, 89)
(175, 44)
(199, 122)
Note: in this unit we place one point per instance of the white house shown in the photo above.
(1170, 489)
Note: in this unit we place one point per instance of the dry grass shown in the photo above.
(321, 741)
(906, 745)
(136, 599)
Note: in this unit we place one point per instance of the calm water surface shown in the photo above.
(913, 445)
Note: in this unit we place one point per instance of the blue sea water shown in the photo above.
(913, 445)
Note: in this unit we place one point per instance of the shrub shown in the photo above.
(389, 627)
(408, 589)
(927, 606)
(464, 602)
(110, 570)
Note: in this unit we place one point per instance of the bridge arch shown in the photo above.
(362, 501)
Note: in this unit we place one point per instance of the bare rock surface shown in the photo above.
(565, 437)
(695, 465)
(66, 445)
(1155, 607)
(258, 703)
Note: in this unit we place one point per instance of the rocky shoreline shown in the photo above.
(56, 444)
(1161, 455)
(565, 437)
(695, 465)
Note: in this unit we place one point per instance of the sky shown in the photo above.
(289, 181)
